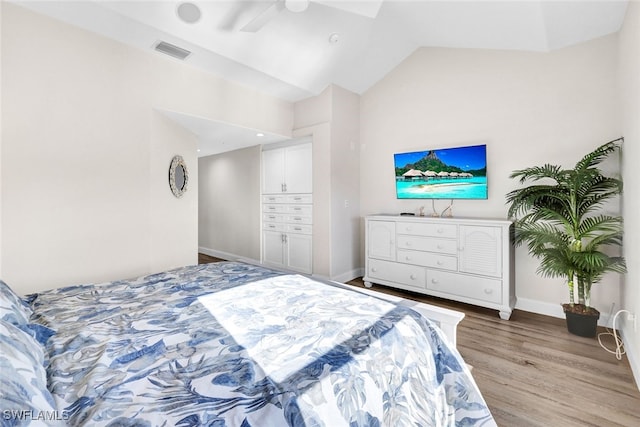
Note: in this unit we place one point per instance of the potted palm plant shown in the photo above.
(560, 217)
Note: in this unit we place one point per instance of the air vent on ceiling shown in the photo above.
(172, 50)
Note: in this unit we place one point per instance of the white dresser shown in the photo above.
(467, 260)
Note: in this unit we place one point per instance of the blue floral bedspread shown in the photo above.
(231, 344)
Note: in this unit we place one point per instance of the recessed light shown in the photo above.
(259, 134)
(189, 13)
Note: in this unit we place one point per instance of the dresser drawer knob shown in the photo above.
(434, 281)
(488, 291)
(439, 262)
(412, 277)
(440, 230)
(374, 269)
(408, 258)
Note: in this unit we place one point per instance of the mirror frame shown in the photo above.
(176, 162)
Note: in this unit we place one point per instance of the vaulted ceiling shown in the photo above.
(354, 44)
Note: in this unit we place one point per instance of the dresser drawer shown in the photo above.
(405, 274)
(300, 209)
(428, 259)
(298, 219)
(478, 288)
(430, 244)
(299, 198)
(273, 217)
(448, 231)
(274, 226)
(274, 198)
(299, 228)
(272, 208)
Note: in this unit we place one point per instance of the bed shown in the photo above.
(230, 344)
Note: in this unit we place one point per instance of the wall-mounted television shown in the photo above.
(445, 173)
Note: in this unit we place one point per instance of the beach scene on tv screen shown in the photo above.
(449, 173)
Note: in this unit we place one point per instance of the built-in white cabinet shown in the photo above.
(287, 207)
(287, 169)
(467, 260)
(287, 225)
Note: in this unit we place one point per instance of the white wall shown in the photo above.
(229, 210)
(629, 90)
(345, 185)
(529, 108)
(85, 157)
(332, 119)
(173, 228)
(312, 117)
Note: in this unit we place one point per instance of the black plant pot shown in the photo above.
(584, 325)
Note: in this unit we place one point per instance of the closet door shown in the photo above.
(273, 248)
(273, 171)
(299, 252)
(298, 168)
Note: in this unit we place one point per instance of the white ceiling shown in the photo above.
(291, 56)
(219, 137)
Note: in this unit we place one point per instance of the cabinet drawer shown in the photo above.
(477, 288)
(299, 198)
(298, 219)
(405, 274)
(448, 231)
(300, 209)
(274, 226)
(428, 259)
(430, 244)
(299, 228)
(270, 208)
(273, 217)
(274, 198)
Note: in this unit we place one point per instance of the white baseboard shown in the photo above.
(632, 350)
(226, 255)
(554, 310)
(349, 275)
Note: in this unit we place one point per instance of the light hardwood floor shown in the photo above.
(532, 372)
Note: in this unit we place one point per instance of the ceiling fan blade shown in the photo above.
(265, 16)
(367, 8)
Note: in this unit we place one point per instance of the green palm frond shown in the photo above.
(536, 173)
(598, 155)
(536, 197)
(592, 227)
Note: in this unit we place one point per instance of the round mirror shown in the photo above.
(178, 176)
